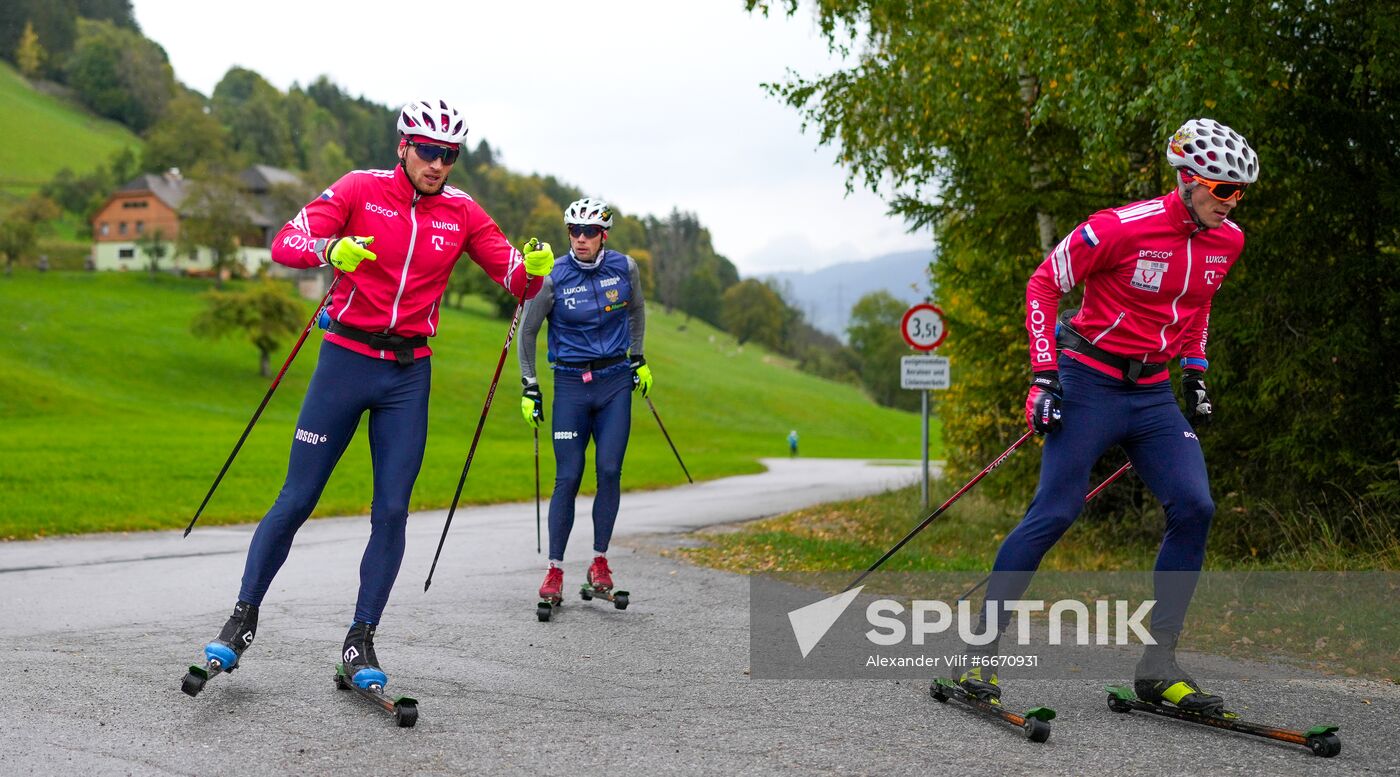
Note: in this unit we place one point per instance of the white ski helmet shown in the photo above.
(589, 211)
(1212, 150)
(433, 119)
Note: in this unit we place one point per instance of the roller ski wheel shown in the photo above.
(403, 708)
(545, 609)
(1034, 722)
(222, 654)
(1320, 740)
(619, 599)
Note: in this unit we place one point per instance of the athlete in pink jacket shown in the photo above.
(1149, 270)
(395, 236)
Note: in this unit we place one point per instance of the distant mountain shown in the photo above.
(825, 296)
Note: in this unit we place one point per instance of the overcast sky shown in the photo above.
(650, 104)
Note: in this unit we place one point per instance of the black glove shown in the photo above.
(1193, 390)
(1043, 402)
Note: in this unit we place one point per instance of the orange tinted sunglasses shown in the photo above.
(1222, 190)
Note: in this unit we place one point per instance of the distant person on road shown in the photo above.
(597, 321)
(395, 236)
(792, 444)
(1150, 270)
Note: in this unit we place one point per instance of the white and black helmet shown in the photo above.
(1212, 150)
(433, 119)
(589, 211)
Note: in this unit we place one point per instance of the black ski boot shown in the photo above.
(234, 638)
(1159, 679)
(360, 663)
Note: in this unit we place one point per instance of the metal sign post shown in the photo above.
(924, 330)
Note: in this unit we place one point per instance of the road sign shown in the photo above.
(924, 372)
(923, 327)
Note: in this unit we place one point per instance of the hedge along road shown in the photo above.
(98, 630)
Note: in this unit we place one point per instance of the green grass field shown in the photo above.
(114, 417)
(28, 118)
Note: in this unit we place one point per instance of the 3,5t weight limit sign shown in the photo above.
(923, 327)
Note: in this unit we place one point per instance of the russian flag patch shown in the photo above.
(327, 194)
(1089, 237)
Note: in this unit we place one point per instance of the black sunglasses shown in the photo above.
(589, 231)
(431, 151)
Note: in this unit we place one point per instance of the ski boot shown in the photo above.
(551, 593)
(1159, 679)
(223, 653)
(359, 662)
(981, 682)
(600, 585)
(599, 575)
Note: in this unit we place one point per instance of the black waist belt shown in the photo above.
(1133, 370)
(401, 346)
(596, 364)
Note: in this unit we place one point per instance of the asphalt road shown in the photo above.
(95, 633)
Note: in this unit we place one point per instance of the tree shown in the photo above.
(19, 233)
(29, 54)
(266, 311)
(751, 311)
(120, 74)
(874, 335)
(994, 123)
(255, 113)
(216, 215)
(154, 245)
(186, 136)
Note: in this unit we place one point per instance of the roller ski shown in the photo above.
(1321, 740)
(359, 672)
(600, 585)
(1163, 688)
(223, 653)
(551, 593)
(978, 690)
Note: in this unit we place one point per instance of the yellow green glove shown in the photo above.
(539, 257)
(532, 404)
(641, 375)
(346, 253)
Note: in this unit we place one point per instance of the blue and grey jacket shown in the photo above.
(595, 311)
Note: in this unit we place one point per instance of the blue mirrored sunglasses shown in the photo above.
(589, 231)
(431, 151)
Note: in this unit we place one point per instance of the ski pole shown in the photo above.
(266, 397)
(668, 440)
(537, 489)
(995, 463)
(485, 409)
(1087, 499)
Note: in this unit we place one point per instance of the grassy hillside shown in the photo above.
(114, 417)
(30, 121)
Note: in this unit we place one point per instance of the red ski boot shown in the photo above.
(551, 593)
(600, 585)
(599, 576)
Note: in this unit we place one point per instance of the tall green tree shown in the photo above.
(266, 312)
(751, 311)
(216, 215)
(874, 335)
(120, 74)
(256, 114)
(186, 137)
(1003, 124)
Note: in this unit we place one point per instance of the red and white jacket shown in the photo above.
(417, 240)
(1149, 274)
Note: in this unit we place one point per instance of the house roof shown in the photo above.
(169, 189)
(261, 178)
